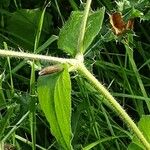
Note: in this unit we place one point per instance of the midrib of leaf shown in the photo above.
(58, 92)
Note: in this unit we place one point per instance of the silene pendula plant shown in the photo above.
(54, 85)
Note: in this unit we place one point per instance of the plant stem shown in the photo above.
(134, 67)
(16, 68)
(15, 127)
(28, 142)
(80, 47)
(32, 118)
(24, 55)
(81, 68)
(10, 71)
(32, 115)
(61, 17)
(120, 111)
(1, 145)
(74, 5)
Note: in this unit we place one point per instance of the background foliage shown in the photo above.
(106, 57)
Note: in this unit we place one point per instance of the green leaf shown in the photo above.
(94, 25)
(133, 146)
(92, 145)
(144, 126)
(22, 25)
(127, 5)
(69, 34)
(132, 13)
(4, 3)
(2, 97)
(54, 93)
(146, 16)
(47, 43)
(136, 13)
(5, 120)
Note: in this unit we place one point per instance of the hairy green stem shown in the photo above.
(80, 47)
(120, 111)
(24, 55)
(80, 66)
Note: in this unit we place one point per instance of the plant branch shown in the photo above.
(117, 107)
(81, 68)
(80, 47)
(9, 53)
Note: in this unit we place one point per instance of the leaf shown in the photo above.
(54, 93)
(146, 16)
(69, 34)
(47, 43)
(132, 13)
(136, 13)
(133, 146)
(5, 120)
(22, 25)
(39, 29)
(94, 25)
(4, 3)
(127, 5)
(2, 97)
(92, 145)
(144, 126)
